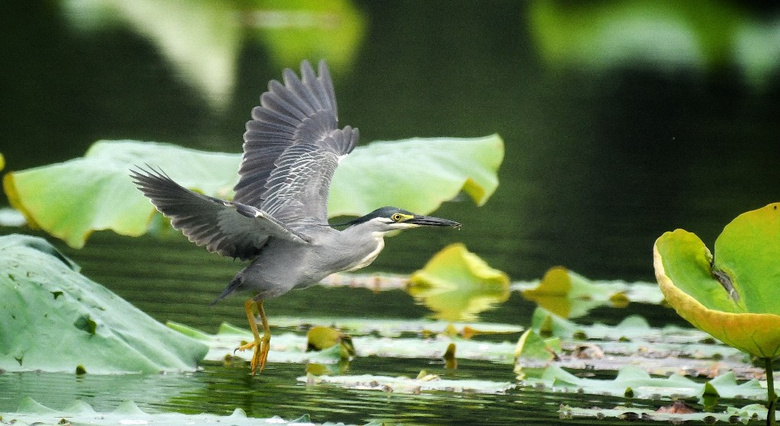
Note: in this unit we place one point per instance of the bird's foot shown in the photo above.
(260, 355)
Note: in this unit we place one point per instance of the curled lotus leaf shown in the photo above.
(733, 293)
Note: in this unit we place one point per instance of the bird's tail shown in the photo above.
(235, 283)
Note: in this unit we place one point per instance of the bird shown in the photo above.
(278, 216)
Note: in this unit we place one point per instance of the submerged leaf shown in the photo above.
(72, 199)
(457, 284)
(733, 294)
(54, 319)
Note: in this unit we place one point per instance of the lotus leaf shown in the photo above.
(570, 295)
(634, 381)
(70, 200)
(732, 294)
(291, 348)
(457, 284)
(406, 385)
(54, 319)
(32, 412)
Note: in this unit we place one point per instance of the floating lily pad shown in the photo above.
(633, 381)
(660, 351)
(54, 319)
(72, 199)
(571, 295)
(456, 284)
(291, 348)
(31, 412)
(732, 415)
(320, 338)
(531, 345)
(732, 295)
(406, 385)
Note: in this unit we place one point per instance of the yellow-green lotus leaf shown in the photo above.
(733, 294)
(320, 338)
(457, 284)
(569, 294)
(72, 199)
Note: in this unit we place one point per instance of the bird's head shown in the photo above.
(388, 219)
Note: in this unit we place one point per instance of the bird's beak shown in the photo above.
(432, 221)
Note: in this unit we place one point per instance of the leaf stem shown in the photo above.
(770, 392)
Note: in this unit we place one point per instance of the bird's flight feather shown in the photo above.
(291, 150)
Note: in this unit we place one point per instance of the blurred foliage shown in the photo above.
(664, 34)
(202, 39)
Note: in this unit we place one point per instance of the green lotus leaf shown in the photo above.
(532, 345)
(69, 200)
(416, 174)
(79, 412)
(54, 319)
(291, 348)
(732, 295)
(457, 284)
(634, 381)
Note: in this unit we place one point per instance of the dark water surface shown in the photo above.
(673, 122)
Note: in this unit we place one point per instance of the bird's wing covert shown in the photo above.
(228, 228)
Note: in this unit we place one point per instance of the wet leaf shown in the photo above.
(72, 199)
(456, 284)
(531, 345)
(289, 347)
(660, 351)
(54, 319)
(31, 412)
(644, 386)
(734, 294)
(450, 360)
(570, 295)
(426, 383)
(397, 327)
(732, 415)
(320, 338)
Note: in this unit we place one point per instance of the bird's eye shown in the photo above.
(396, 217)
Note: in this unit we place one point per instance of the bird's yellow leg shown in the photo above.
(260, 345)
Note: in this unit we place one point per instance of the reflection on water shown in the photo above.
(220, 390)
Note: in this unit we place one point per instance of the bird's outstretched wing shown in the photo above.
(229, 228)
(292, 148)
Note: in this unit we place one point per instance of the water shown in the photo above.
(602, 156)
